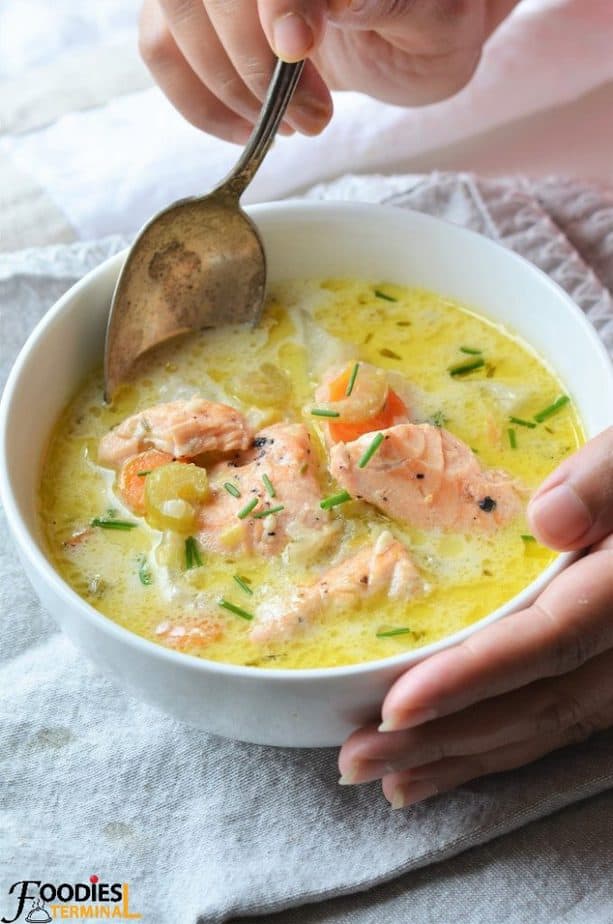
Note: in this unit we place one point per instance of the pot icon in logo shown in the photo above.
(38, 914)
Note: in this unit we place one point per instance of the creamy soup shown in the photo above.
(343, 483)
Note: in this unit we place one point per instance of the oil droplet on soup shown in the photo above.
(456, 370)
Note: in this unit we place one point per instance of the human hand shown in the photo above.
(533, 682)
(213, 58)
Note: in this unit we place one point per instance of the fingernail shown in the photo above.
(560, 516)
(408, 720)
(404, 796)
(292, 37)
(347, 778)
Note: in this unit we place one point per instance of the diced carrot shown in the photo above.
(393, 408)
(132, 477)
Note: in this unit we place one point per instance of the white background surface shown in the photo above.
(541, 102)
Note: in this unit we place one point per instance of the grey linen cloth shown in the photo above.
(209, 830)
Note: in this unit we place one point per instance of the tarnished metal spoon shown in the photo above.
(198, 263)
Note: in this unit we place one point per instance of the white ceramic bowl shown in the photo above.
(299, 708)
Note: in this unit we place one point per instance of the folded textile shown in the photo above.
(206, 829)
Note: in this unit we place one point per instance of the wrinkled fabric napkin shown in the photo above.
(205, 829)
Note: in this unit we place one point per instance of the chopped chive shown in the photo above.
(334, 500)
(512, 438)
(247, 508)
(465, 368)
(237, 610)
(268, 485)
(390, 633)
(523, 423)
(105, 523)
(323, 412)
(144, 574)
(242, 583)
(528, 538)
(266, 513)
(304, 468)
(439, 419)
(192, 554)
(367, 456)
(231, 489)
(354, 373)
(387, 298)
(145, 472)
(552, 409)
(470, 351)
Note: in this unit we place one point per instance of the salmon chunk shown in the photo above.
(426, 476)
(382, 569)
(284, 455)
(183, 429)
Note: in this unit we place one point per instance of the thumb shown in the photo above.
(573, 508)
(294, 28)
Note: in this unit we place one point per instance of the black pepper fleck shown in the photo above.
(487, 504)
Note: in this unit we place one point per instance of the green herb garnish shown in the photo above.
(390, 633)
(439, 419)
(192, 554)
(465, 368)
(267, 513)
(247, 508)
(351, 383)
(547, 412)
(237, 610)
(512, 438)
(522, 423)
(144, 574)
(367, 456)
(334, 500)
(528, 538)
(268, 485)
(232, 489)
(109, 523)
(470, 351)
(242, 583)
(323, 412)
(144, 473)
(387, 298)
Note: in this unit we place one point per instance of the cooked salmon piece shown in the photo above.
(382, 569)
(183, 429)
(192, 633)
(284, 455)
(372, 404)
(426, 476)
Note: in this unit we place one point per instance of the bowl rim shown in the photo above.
(295, 210)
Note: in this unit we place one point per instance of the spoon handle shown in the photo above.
(280, 91)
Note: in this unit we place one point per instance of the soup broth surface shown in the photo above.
(140, 577)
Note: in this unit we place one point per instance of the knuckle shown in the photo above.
(559, 716)
(179, 11)
(572, 649)
(570, 644)
(583, 729)
(156, 46)
(256, 74)
(231, 88)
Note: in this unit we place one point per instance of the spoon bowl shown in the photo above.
(199, 263)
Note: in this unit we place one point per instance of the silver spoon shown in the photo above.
(198, 263)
